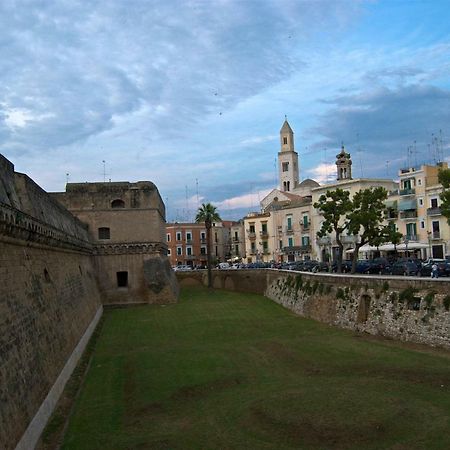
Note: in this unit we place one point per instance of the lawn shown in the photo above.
(222, 370)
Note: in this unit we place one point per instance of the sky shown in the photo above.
(192, 94)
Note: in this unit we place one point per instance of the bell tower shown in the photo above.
(288, 168)
(344, 165)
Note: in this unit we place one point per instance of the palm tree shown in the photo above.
(208, 213)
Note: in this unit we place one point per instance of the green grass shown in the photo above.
(222, 370)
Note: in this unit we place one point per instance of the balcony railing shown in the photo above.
(412, 237)
(251, 234)
(436, 211)
(409, 214)
(264, 233)
(189, 241)
(410, 191)
(289, 230)
(297, 248)
(235, 239)
(436, 235)
(190, 257)
(202, 240)
(305, 226)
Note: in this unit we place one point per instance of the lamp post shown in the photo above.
(406, 241)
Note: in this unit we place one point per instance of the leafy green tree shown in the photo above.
(444, 179)
(208, 214)
(366, 219)
(335, 206)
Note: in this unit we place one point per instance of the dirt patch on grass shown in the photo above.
(203, 390)
(314, 432)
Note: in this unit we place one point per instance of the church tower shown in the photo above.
(288, 168)
(344, 165)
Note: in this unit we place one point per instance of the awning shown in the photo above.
(364, 248)
(404, 205)
(402, 247)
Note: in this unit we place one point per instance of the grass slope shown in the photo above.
(222, 370)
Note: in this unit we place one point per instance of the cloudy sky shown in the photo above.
(192, 94)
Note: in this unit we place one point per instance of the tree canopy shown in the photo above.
(444, 179)
(207, 213)
(335, 207)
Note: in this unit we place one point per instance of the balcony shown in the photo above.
(251, 234)
(410, 191)
(289, 230)
(189, 241)
(235, 239)
(436, 235)
(324, 240)
(411, 237)
(202, 240)
(436, 211)
(305, 226)
(297, 248)
(264, 234)
(408, 214)
(189, 257)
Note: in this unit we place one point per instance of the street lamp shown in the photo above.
(429, 244)
(406, 241)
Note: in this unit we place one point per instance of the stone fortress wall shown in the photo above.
(55, 274)
(49, 300)
(407, 309)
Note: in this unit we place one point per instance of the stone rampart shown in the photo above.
(406, 309)
(49, 304)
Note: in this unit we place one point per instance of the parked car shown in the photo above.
(378, 265)
(182, 268)
(346, 266)
(321, 267)
(403, 268)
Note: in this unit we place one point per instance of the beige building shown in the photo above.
(415, 210)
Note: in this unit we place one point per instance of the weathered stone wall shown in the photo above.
(48, 299)
(150, 277)
(407, 309)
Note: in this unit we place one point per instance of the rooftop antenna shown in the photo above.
(387, 169)
(276, 172)
(325, 163)
(67, 177)
(441, 155)
(187, 205)
(415, 154)
(196, 187)
(251, 195)
(104, 170)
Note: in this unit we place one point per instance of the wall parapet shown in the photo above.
(130, 248)
(19, 225)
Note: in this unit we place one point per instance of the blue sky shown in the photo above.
(192, 94)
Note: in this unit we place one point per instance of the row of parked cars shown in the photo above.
(406, 266)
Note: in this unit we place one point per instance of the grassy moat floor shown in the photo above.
(223, 370)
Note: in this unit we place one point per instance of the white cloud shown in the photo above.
(250, 200)
(323, 173)
(258, 140)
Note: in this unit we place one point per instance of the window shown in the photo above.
(104, 233)
(169, 252)
(215, 237)
(289, 223)
(285, 140)
(189, 251)
(188, 235)
(305, 221)
(202, 250)
(419, 182)
(179, 250)
(118, 203)
(253, 247)
(434, 202)
(420, 201)
(264, 227)
(265, 246)
(290, 242)
(305, 240)
(178, 235)
(236, 249)
(252, 228)
(285, 167)
(411, 231)
(422, 224)
(168, 237)
(122, 279)
(281, 244)
(202, 235)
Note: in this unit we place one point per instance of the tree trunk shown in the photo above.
(340, 255)
(208, 252)
(355, 256)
